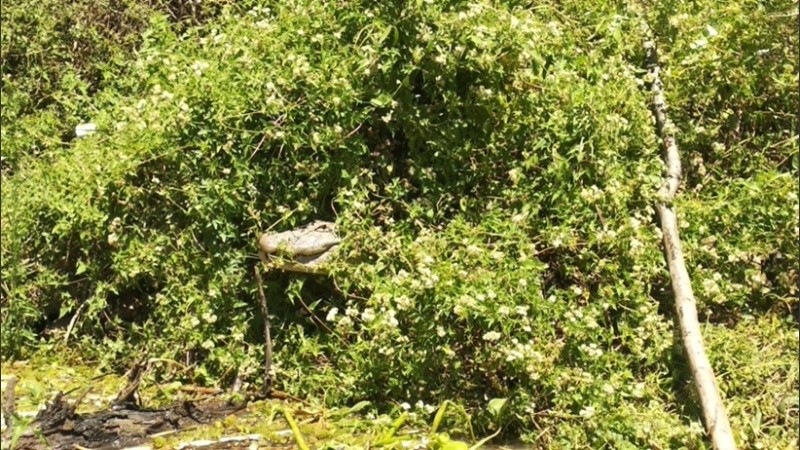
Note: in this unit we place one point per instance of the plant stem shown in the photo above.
(267, 338)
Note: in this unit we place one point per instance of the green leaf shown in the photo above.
(496, 406)
(358, 407)
(381, 100)
(437, 420)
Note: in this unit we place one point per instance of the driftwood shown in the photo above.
(125, 423)
(128, 393)
(716, 419)
(59, 427)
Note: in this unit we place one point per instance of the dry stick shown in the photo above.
(134, 380)
(74, 321)
(267, 339)
(716, 419)
(10, 403)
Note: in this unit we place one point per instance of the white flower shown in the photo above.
(504, 310)
(587, 412)
(332, 314)
(512, 356)
(368, 315)
(592, 350)
(403, 302)
(467, 301)
(199, 67)
(711, 31)
(392, 320)
(554, 29)
(710, 286)
(474, 250)
(345, 322)
(700, 43)
(491, 336)
(388, 351)
(440, 331)
(405, 406)
(591, 194)
(210, 318)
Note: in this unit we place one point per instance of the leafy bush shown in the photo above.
(493, 169)
(733, 76)
(55, 55)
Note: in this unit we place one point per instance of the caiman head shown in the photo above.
(301, 250)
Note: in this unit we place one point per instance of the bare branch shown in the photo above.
(714, 414)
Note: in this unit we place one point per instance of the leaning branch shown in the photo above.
(716, 419)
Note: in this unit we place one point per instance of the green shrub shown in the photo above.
(55, 55)
(492, 168)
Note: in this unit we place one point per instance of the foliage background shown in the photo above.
(491, 164)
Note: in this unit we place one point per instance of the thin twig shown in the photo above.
(267, 339)
(74, 320)
(258, 147)
(314, 317)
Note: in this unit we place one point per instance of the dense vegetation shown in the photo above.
(492, 166)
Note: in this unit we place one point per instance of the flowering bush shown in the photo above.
(492, 169)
